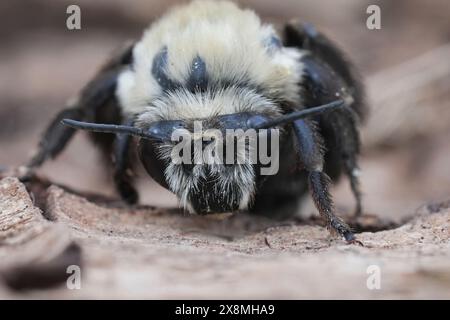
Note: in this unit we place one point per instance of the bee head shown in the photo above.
(210, 161)
(210, 158)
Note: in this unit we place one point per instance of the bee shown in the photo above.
(213, 62)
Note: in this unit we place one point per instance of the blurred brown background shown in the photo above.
(405, 164)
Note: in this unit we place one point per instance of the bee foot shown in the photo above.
(351, 239)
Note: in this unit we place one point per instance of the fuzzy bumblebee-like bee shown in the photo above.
(213, 62)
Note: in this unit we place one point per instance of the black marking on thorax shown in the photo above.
(198, 77)
(197, 80)
(159, 71)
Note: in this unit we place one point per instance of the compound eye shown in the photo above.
(155, 167)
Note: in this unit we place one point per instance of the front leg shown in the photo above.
(53, 141)
(94, 96)
(310, 151)
(122, 176)
(55, 137)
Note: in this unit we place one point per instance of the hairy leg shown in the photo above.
(348, 144)
(122, 176)
(330, 75)
(310, 152)
(54, 139)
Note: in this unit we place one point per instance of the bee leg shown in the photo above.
(329, 72)
(344, 122)
(351, 169)
(53, 141)
(310, 152)
(122, 175)
(318, 184)
(325, 85)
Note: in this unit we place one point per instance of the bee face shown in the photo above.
(201, 187)
(214, 167)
